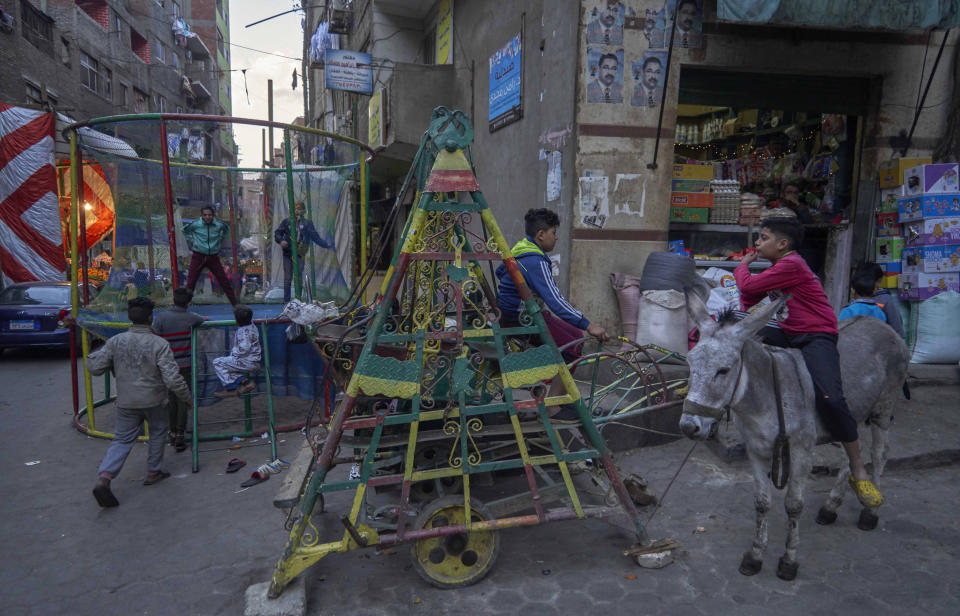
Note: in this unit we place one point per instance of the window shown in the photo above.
(161, 104)
(179, 109)
(139, 101)
(221, 45)
(65, 51)
(119, 27)
(34, 95)
(160, 52)
(175, 60)
(37, 27)
(122, 95)
(107, 80)
(175, 10)
(89, 72)
(220, 6)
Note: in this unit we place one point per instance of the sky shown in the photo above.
(282, 36)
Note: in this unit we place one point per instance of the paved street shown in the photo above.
(191, 545)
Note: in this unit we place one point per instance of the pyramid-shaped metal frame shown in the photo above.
(411, 353)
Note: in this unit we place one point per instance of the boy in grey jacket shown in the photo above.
(145, 369)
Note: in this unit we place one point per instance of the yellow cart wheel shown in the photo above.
(454, 561)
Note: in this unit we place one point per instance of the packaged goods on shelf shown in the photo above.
(931, 179)
(697, 186)
(726, 202)
(690, 214)
(693, 172)
(931, 259)
(932, 232)
(920, 207)
(681, 199)
(889, 198)
(750, 207)
(917, 286)
(891, 171)
(887, 224)
(889, 249)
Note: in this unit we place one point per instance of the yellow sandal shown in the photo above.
(867, 493)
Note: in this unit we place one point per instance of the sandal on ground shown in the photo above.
(235, 464)
(255, 478)
(566, 415)
(867, 493)
(102, 493)
(154, 477)
(281, 464)
(269, 468)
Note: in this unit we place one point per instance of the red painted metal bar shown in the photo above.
(168, 197)
(402, 510)
(233, 233)
(532, 482)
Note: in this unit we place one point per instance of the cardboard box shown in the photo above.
(889, 198)
(693, 172)
(889, 249)
(925, 286)
(890, 280)
(932, 232)
(689, 214)
(931, 179)
(684, 199)
(931, 259)
(894, 267)
(891, 171)
(887, 225)
(693, 186)
(928, 206)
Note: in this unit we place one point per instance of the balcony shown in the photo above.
(413, 90)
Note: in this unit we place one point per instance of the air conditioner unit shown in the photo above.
(341, 21)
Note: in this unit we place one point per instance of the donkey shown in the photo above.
(730, 368)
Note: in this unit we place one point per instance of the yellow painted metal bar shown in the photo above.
(558, 400)
(411, 447)
(448, 414)
(567, 481)
(518, 434)
(87, 378)
(354, 513)
(467, 514)
(363, 223)
(540, 460)
(437, 473)
(487, 216)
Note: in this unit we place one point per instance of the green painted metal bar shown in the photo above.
(294, 228)
(271, 423)
(337, 486)
(195, 436)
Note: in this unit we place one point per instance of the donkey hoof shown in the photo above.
(868, 520)
(826, 517)
(786, 570)
(750, 565)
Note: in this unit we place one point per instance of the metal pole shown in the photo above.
(364, 189)
(233, 231)
(270, 119)
(294, 227)
(168, 195)
(663, 102)
(74, 292)
(83, 236)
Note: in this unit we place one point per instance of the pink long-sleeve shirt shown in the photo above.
(808, 310)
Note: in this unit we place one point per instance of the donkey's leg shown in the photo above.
(828, 511)
(800, 464)
(880, 437)
(753, 560)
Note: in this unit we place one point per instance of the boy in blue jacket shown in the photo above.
(566, 323)
(864, 286)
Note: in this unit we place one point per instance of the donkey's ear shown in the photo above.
(757, 319)
(698, 312)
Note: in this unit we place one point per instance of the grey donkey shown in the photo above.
(729, 367)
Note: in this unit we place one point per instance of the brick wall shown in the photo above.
(98, 10)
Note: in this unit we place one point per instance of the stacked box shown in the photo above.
(690, 207)
(891, 171)
(918, 286)
(889, 198)
(889, 249)
(690, 214)
(932, 232)
(693, 186)
(931, 179)
(887, 225)
(891, 275)
(931, 259)
(694, 172)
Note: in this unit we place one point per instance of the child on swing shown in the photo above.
(809, 324)
(244, 357)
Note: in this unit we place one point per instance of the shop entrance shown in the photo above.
(791, 140)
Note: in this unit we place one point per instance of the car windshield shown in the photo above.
(36, 295)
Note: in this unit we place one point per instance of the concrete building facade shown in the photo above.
(602, 155)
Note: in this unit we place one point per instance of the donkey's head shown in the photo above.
(715, 365)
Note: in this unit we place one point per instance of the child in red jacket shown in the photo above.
(810, 325)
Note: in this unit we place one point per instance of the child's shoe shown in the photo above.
(225, 393)
(246, 387)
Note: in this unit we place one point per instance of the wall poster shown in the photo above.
(506, 85)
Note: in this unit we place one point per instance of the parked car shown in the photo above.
(32, 313)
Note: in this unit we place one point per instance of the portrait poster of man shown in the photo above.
(689, 19)
(654, 28)
(605, 23)
(604, 75)
(648, 79)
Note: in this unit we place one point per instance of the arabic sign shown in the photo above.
(445, 32)
(349, 70)
(506, 85)
(375, 135)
